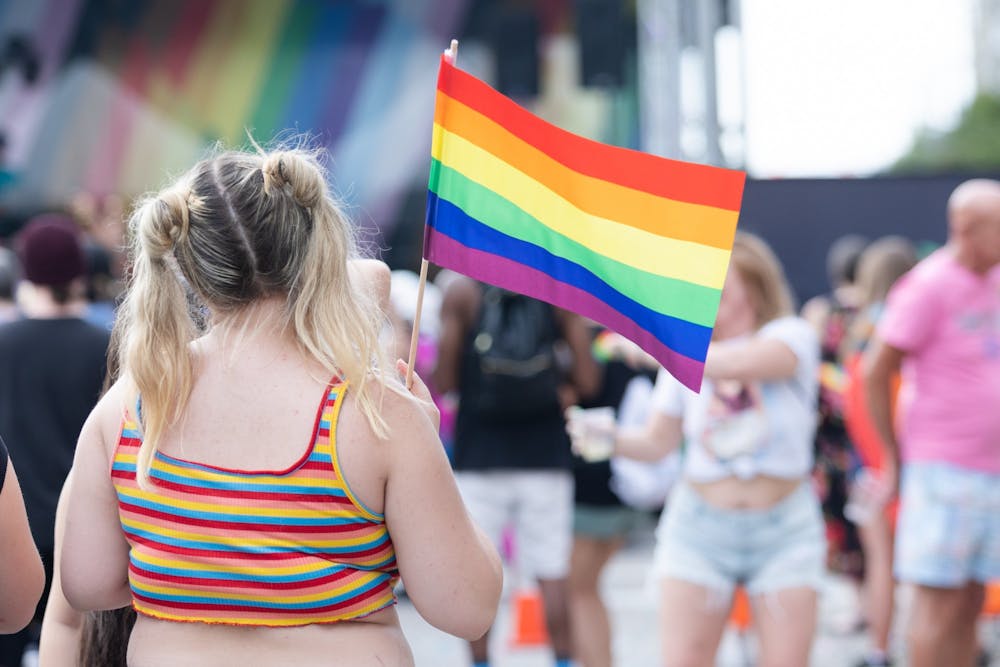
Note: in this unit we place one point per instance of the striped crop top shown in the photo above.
(275, 549)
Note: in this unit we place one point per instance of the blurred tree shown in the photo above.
(973, 145)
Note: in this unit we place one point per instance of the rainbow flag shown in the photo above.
(636, 242)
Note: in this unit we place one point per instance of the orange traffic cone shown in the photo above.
(528, 627)
(740, 620)
(991, 604)
(739, 616)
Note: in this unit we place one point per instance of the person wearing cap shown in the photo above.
(52, 365)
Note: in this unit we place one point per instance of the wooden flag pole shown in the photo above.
(416, 324)
(452, 55)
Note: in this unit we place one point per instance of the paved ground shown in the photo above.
(633, 614)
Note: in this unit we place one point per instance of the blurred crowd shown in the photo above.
(855, 435)
(803, 419)
(60, 279)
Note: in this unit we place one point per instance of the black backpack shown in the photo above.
(514, 345)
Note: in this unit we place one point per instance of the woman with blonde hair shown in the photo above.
(259, 478)
(744, 513)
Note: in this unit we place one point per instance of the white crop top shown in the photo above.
(750, 429)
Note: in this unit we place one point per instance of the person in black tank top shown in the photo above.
(511, 454)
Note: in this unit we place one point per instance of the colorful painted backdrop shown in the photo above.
(130, 92)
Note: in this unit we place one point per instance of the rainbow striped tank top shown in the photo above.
(283, 548)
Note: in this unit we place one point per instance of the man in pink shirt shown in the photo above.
(941, 327)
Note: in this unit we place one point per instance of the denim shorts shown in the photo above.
(948, 532)
(765, 551)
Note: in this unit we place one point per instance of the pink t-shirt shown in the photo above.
(947, 321)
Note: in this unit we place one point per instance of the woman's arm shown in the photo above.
(61, 629)
(816, 311)
(618, 346)
(452, 571)
(661, 435)
(94, 559)
(22, 577)
(750, 359)
(373, 275)
(882, 362)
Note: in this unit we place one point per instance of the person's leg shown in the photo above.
(555, 597)
(969, 645)
(544, 501)
(484, 495)
(942, 628)
(879, 584)
(692, 620)
(785, 622)
(480, 649)
(591, 628)
(938, 539)
(987, 566)
(697, 561)
(789, 564)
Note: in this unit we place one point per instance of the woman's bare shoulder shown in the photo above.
(396, 406)
(117, 405)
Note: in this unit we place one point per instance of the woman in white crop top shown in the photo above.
(745, 514)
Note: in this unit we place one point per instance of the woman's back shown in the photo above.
(260, 499)
(253, 404)
(249, 518)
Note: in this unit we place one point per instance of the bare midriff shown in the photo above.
(756, 493)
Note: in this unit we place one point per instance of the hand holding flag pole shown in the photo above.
(451, 55)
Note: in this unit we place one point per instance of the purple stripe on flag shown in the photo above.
(487, 267)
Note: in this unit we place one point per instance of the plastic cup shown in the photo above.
(593, 431)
